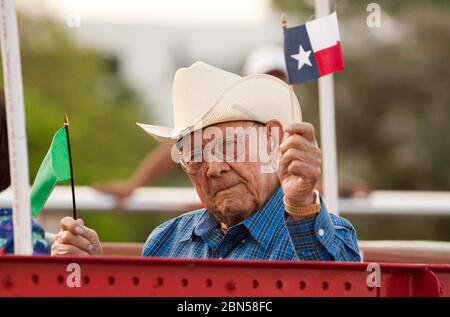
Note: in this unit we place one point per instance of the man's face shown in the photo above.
(233, 189)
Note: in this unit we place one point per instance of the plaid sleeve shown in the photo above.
(165, 238)
(324, 237)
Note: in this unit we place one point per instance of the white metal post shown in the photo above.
(328, 128)
(17, 139)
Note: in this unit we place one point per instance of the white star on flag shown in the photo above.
(302, 57)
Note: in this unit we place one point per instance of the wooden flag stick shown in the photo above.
(283, 20)
(292, 94)
(66, 126)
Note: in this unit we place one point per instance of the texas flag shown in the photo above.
(313, 49)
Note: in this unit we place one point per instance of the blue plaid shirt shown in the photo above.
(268, 234)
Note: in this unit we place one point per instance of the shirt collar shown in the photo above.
(204, 222)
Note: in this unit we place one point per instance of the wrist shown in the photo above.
(307, 201)
(304, 211)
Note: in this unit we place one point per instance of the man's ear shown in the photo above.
(275, 134)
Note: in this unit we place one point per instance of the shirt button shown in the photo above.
(321, 232)
(243, 241)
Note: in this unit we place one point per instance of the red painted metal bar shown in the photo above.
(136, 276)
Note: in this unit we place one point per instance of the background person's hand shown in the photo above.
(76, 239)
(121, 190)
(299, 164)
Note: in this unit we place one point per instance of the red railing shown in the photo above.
(135, 276)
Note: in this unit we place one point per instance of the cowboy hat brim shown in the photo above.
(255, 97)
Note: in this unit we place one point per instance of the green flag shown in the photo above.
(55, 168)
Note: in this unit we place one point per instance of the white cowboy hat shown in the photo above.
(204, 95)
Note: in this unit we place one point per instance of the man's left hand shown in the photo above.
(299, 165)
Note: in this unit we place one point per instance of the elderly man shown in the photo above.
(259, 201)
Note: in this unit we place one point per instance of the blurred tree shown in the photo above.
(393, 99)
(59, 77)
(106, 143)
(62, 77)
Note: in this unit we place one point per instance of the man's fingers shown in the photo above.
(294, 140)
(304, 170)
(304, 128)
(60, 249)
(91, 236)
(68, 237)
(77, 227)
(297, 155)
(301, 169)
(79, 236)
(301, 143)
(295, 162)
(70, 224)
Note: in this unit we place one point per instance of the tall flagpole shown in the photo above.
(17, 138)
(328, 128)
(72, 185)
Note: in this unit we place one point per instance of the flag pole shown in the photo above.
(17, 138)
(328, 128)
(66, 126)
(283, 20)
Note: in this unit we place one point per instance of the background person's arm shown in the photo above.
(156, 164)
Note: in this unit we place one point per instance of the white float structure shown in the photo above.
(17, 138)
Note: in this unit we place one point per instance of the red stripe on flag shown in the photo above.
(329, 60)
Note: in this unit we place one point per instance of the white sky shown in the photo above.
(203, 12)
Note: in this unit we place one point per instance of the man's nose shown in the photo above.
(215, 169)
